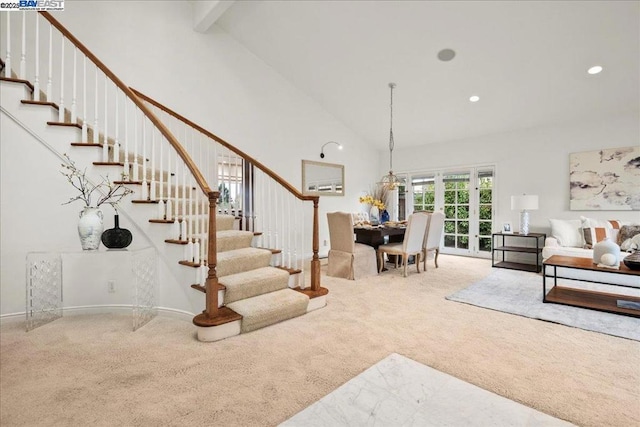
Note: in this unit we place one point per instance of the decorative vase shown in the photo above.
(116, 237)
(384, 217)
(90, 228)
(374, 215)
(633, 261)
(606, 247)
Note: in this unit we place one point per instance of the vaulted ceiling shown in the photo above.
(526, 60)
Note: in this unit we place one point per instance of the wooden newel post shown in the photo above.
(211, 283)
(315, 261)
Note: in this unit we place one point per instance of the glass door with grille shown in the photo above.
(466, 198)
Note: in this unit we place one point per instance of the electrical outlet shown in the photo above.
(111, 286)
(325, 243)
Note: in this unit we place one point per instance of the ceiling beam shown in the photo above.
(206, 13)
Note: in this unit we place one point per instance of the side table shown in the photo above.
(516, 242)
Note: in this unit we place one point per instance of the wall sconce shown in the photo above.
(524, 204)
(325, 144)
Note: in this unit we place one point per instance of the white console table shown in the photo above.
(89, 280)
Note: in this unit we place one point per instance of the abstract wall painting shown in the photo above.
(606, 180)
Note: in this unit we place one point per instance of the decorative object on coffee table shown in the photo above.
(633, 261)
(606, 253)
(116, 237)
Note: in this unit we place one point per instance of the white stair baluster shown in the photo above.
(190, 225)
(85, 114)
(196, 243)
(74, 90)
(136, 142)
(105, 139)
(152, 183)
(126, 173)
(116, 131)
(36, 79)
(168, 207)
(96, 131)
(145, 186)
(49, 94)
(23, 52)
(7, 61)
(161, 214)
(61, 105)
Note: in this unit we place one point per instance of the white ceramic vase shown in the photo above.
(90, 228)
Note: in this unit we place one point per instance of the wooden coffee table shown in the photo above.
(611, 302)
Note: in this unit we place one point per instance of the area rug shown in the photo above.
(520, 293)
(398, 391)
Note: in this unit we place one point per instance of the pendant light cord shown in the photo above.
(391, 143)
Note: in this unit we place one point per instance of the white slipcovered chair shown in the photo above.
(433, 237)
(348, 259)
(410, 245)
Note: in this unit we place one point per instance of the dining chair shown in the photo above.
(348, 259)
(410, 245)
(432, 238)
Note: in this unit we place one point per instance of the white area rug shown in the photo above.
(398, 391)
(520, 293)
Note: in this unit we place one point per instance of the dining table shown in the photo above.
(374, 235)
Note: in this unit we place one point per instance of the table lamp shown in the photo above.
(524, 204)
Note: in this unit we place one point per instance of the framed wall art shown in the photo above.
(607, 180)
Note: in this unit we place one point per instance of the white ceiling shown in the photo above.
(527, 61)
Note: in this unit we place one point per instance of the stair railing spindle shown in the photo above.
(7, 62)
(85, 115)
(96, 130)
(116, 130)
(61, 104)
(161, 214)
(23, 51)
(49, 94)
(74, 90)
(145, 185)
(36, 79)
(126, 172)
(105, 138)
(136, 143)
(152, 185)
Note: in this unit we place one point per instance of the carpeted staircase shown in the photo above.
(255, 290)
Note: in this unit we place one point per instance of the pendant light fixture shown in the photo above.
(390, 181)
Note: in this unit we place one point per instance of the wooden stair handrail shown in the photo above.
(315, 260)
(202, 183)
(224, 143)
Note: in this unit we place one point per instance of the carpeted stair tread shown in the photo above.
(224, 222)
(252, 283)
(267, 309)
(228, 240)
(239, 260)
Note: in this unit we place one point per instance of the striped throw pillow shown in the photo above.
(593, 235)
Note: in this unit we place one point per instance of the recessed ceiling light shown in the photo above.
(595, 69)
(474, 98)
(446, 55)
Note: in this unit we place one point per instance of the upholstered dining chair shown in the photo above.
(410, 245)
(348, 259)
(432, 238)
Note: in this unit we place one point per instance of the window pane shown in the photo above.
(485, 244)
(450, 211)
(463, 197)
(463, 227)
(485, 228)
(449, 197)
(485, 196)
(463, 242)
(485, 212)
(450, 241)
(449, 226)
(430, 198)
(428, 208)
(463, 212)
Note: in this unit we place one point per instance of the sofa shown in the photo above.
(576, 238)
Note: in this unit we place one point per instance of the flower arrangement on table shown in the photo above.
(369, 200)
(375, 199)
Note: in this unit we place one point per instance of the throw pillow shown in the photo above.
(593, 235)
(627, 232)
(567, 232)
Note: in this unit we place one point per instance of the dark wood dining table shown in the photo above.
(375, 236)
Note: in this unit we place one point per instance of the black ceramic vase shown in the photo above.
(116, 237)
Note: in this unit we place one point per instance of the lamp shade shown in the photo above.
(524, 203)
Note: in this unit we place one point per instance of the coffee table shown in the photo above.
(594, 300)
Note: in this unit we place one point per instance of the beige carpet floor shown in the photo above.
(92, 370)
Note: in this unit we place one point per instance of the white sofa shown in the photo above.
(567, 239)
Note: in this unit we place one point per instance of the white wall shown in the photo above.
(533, 161)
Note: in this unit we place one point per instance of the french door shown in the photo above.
(466, 197)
